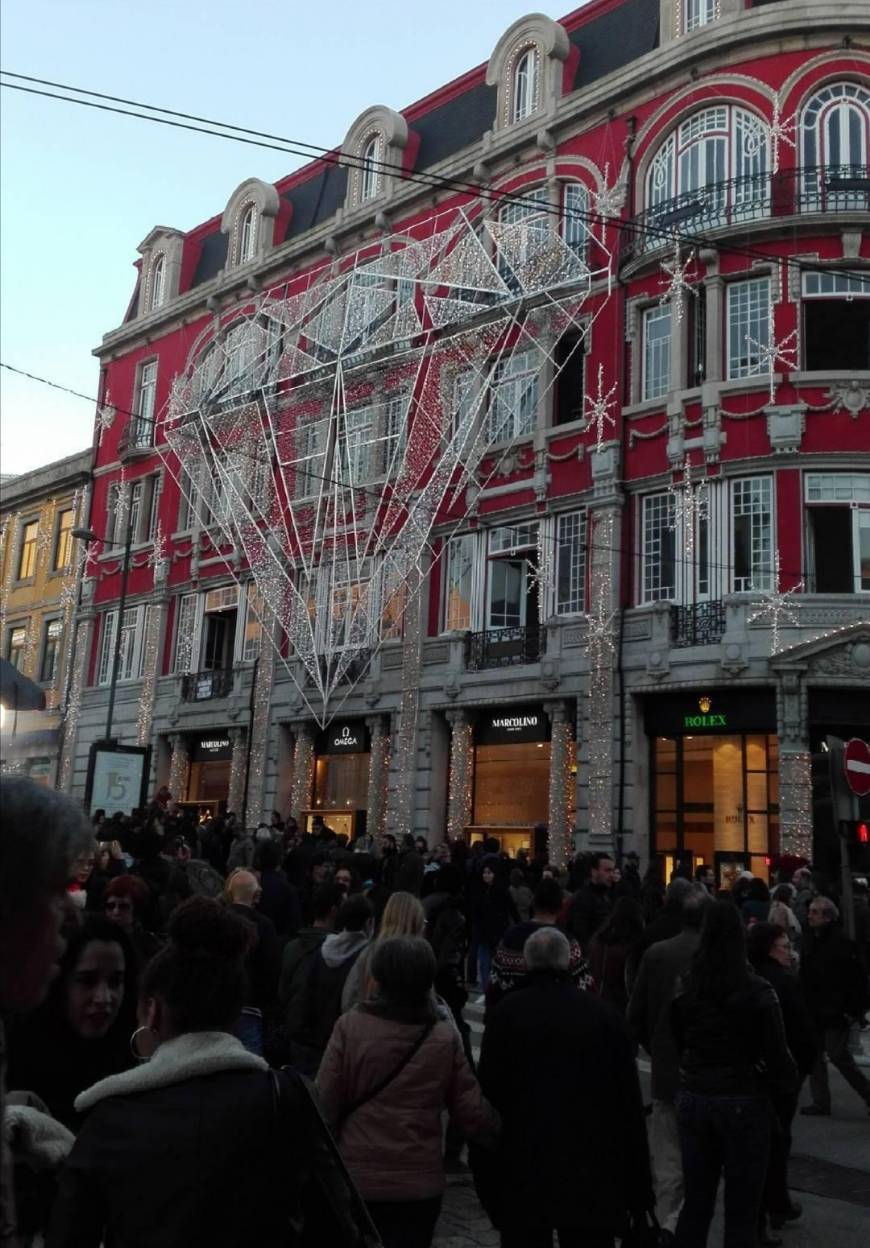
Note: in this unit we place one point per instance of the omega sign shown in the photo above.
(344, 738)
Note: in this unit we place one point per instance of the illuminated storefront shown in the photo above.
(715, 781)
(208, 783)
(511, 775)
(341, 777)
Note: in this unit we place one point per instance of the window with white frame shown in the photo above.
(658, 549)
(711, 168)
(395, 418)
(247, 234)
(513, 404)
(748, 323)
(698, 13)
(347, 592)
(575, 216)
(394, 596)
(510, 600)
(312, 439)
(158, 282)
(251, 639)
(570, 562)
(837, 508)
(16, 646)
(132, 647)
(656, 373)
(752, 534)
(459, 581)
(836, 321)
(464, 403)
(51, 639)
(531, 206)
(370, 174)
(186, 629)
(526, 84)
(835, 141)
(142, 433)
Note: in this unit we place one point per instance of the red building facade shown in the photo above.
(643, 589)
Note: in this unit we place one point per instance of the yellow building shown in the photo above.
(40, 563)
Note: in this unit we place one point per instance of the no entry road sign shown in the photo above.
(856, 764)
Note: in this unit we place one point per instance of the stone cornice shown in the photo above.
(790, 26)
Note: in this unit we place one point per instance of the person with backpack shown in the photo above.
(326, 975)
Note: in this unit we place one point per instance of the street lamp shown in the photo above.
(88, 535)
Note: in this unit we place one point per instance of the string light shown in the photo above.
(601, 652)
(598, 410)
(179, 766)
(153, 632)
(777, 608)
(796, 804)
(677, 286)
(560, 839)
(461, 780)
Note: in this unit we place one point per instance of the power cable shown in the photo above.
(618, 550)
(309, 151)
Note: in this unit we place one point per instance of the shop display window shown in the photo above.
(511, 784)
(341, 781)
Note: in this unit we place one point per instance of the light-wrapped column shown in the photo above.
(179, 766)
(78, 666)
(560, 839)
(156, 629)
(601, 653)
(406, 736)
(303, 770)
(238, 765)
(796, 805)
(379, 763)
(461, 772)
(259, 728)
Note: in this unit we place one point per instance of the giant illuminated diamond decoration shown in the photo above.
(327, 429)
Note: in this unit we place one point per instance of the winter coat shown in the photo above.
(186, 1150)
(409, 876)
(735, 1046)
(445, 930)
(392, 1144)
(800, 1031)
(294, 963)
(509, 964)
(648, 1007)
(832, 976)
(558, 1066)
(263, 960)
(492, 912)
(324, 983)
(279, 902)
(609, 967)
(523, 899)
(241, 853)
(590, 909)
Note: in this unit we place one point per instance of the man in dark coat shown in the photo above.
(835, 986)
(262, 964)
(647, 1016)
(409, 876)
(593, 901)
(557, 1064)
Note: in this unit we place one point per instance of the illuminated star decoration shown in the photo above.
(598, 413)
(677, 287)
(777, 132)
(689, 506)
(609, 200)
(777, 607)
(106, 414)
(772, 352)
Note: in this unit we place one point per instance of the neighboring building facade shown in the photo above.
(40, 568)
(692, 471)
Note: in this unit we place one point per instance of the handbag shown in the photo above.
(645, 1231)
(333, 1212)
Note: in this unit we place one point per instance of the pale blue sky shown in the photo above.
(80, 189)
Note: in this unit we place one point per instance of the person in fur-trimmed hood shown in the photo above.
(164, 1144)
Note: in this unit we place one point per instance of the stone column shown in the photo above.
(602, 606)
(238, 766)
(379, 763)
(82, 627)
(405, 773)
(153, 654)
(560, 838)
(179, 765)
(303, 770)
(259, 728)
(461, 772)
(795, 776)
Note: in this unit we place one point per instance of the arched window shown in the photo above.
(525, 85)
(370, 175)
(158, 282)
(247, 234)
(711, 170)
(835, 127)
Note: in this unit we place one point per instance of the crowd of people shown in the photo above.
(195, 1013)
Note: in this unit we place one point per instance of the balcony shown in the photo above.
(137, 438)
(790, 192)
(700, 624)
(201, 686)
(502, 647)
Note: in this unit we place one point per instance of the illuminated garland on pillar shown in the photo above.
(560, 832)
(406, 736)
(236, 787)
(796, 805)
(179, 766)
(303, 770)
(461, 773)
(260, 721)
(74, 703)
(378, 776)
(156, 621)
(601, 652)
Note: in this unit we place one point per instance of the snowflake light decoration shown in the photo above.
(773, 351)
(608, 202)
(598, 414)
(106, 414)
(777, 608)
(776, 133)
(689, 507)
(677, 285)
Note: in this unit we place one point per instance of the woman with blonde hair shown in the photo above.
(403, 916)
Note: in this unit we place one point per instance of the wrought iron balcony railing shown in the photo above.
(502, 647)
(200, 686)
(823, 188)
(137, 436)
(700, 624)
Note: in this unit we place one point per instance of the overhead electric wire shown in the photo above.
(616, 550)
(315, 152)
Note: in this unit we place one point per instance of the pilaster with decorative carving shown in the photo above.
(461, 772)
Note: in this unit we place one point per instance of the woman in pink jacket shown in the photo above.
(390, 1069)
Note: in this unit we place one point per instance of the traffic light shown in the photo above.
(862, 832)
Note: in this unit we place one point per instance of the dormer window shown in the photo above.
(247, 234)
(525, 85)
(698, 13)
(158, 282)
(370, 176)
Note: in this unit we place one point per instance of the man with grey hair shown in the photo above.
(41, 834)
(662, 966)
(558, 1064)
(834, 981)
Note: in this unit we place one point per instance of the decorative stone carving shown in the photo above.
(733, 660)
(850, 396)
(785, 428)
